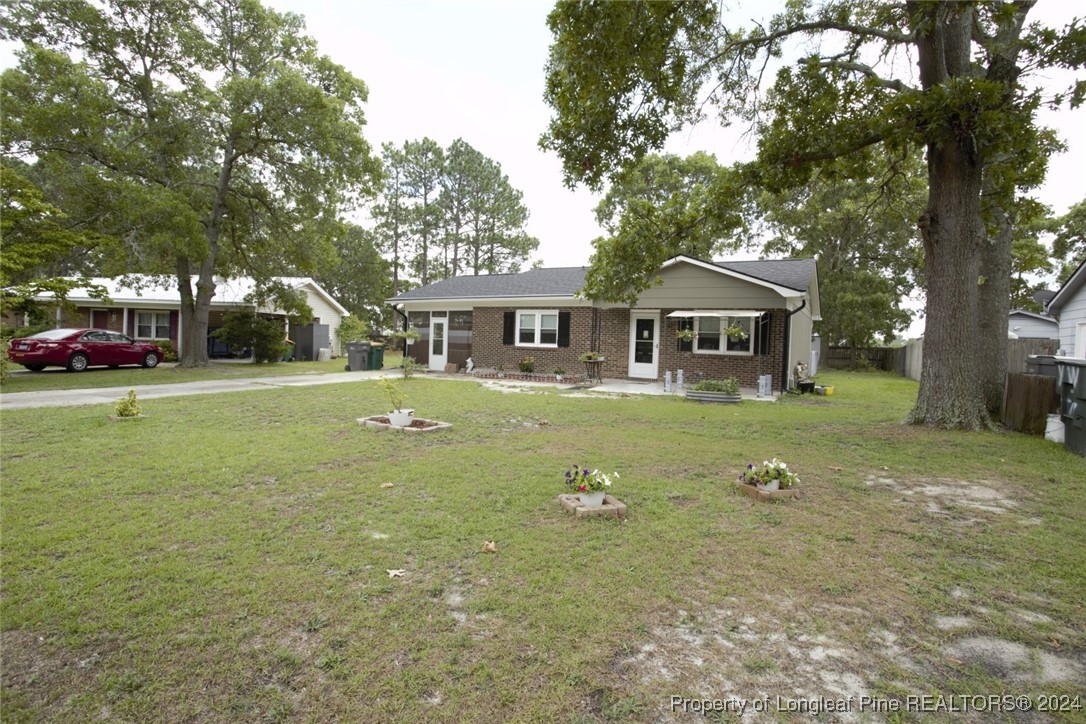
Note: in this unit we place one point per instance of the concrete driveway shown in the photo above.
(109, 395)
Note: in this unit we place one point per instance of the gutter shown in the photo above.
(787, 343)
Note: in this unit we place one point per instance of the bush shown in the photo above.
(527, 365)
(245, 330)
(169, 354)
(410, 367)
(351, 329)
(728, 386)
(129, 406)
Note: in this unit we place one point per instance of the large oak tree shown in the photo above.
(947, 77)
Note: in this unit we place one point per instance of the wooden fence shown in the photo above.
(908, 360)
(850, 358)
(1028, 400)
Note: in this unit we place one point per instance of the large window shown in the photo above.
(713, 335)
(152, 325)
(537, 328)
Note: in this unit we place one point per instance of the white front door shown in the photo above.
(439, 352)
(644, 344)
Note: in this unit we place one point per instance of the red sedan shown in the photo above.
(78, 349)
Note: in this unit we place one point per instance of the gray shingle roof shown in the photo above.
(559, 282)
(567, 281)
(792, 273)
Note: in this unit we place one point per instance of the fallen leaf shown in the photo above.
(388, 485)
(955, 661)
(490, 547)
(395, 572)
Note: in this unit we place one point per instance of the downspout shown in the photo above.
(787, 344)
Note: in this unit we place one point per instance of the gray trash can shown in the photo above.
(357, 356)
(1072, 386)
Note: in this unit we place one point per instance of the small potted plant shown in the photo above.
(686, 334)
(736, 333)
(398, 417)
(559, 373)
(725, 390)
(589, 486)
(591, 357)
(526, 365)
(772, 475)
(500, 369)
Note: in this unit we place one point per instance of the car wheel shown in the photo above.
(35, 368)
(78, 362)
(150, 360)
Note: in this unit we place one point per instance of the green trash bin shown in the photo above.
(376, 356)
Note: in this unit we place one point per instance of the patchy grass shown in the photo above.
(55, 378)
(227, 559)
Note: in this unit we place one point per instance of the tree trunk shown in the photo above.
(951, 390)
(994, 307)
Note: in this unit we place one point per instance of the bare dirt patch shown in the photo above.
(1015, 662)
(952, 500)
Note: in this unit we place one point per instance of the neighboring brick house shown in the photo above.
(146, 310)
(499, 319)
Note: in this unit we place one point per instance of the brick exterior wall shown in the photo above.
(744, 368)
(488, 351)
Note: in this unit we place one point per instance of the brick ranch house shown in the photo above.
(498, 319)
(145, 310)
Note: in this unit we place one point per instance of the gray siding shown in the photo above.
(1032, 328)
(689, 287)
(1072, 314)
(799, 346)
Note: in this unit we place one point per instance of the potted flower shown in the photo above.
(527, 365)
(772, 475)
(398, 417)
(593, 366)
(559, 373)
(589, 486)
(686, 334)
(736, 333)
(725, 390)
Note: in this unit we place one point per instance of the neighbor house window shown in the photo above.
(537, 329)
(712, 336)
(152, 325)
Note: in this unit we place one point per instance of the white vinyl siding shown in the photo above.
(1072, 313)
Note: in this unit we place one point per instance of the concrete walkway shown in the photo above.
(110, 395)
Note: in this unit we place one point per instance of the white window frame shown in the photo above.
(156, 313)
(725, 322)
(537, 328)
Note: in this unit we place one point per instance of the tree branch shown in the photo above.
(866, 70)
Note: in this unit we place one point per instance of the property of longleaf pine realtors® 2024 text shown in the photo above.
(924, 704)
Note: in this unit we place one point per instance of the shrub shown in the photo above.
(169, 354)
(245, 330)
(526, 364)
(410, 367)
(728, 386)
(395, 395)
(351, 329)
(128, 406)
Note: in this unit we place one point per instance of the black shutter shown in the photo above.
(563, 329)
(509, 328)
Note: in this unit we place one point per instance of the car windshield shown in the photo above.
(53, 334)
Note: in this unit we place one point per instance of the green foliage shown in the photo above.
(526, 365)
(264, 338)
(728, 385)
(351, 329)
(411, 367)
(395, 395)
(361, 279)
(449, 211)
(169, 352)
(208, 135)
(1070, 241)
(664, 206)
(128, 406)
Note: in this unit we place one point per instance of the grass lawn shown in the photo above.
(225, 558)
(55, 378)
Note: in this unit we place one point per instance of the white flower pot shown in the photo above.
(771, 485)
(400, 418)
(592, 500)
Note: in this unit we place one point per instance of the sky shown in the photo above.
(474, 69)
